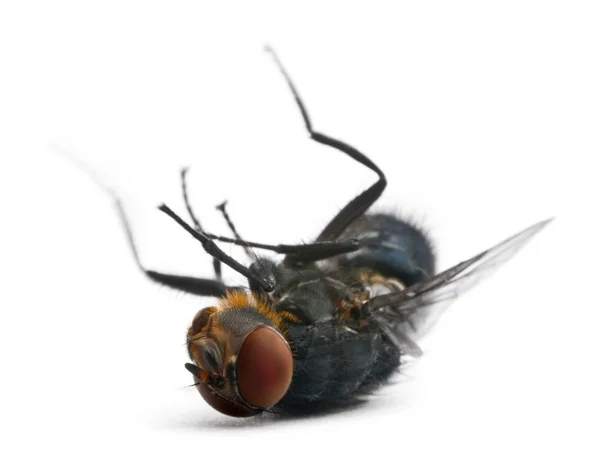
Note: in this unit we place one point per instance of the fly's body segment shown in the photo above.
(331, 320)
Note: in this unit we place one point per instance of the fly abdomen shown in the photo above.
(390, 246)
(334, 363)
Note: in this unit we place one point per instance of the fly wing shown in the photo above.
(409, 314)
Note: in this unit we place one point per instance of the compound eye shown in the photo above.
(264, 368)
(222, 405)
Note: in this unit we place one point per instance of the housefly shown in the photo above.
(331, 320)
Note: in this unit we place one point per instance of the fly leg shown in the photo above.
(216, 263)
(222, 208)
(193, 285)
(259, 277)
(300, 253)
(361, 203)
(263, 282)
(296, 253)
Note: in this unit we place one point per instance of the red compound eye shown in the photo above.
(221, 405)
(264, 368)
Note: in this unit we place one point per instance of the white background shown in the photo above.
(485, 117)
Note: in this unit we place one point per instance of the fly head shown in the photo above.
(242, 361)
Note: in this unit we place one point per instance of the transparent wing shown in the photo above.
(408, 315)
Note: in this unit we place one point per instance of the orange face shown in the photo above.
(243, 363)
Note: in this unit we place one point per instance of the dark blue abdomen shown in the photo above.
(392, 247)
